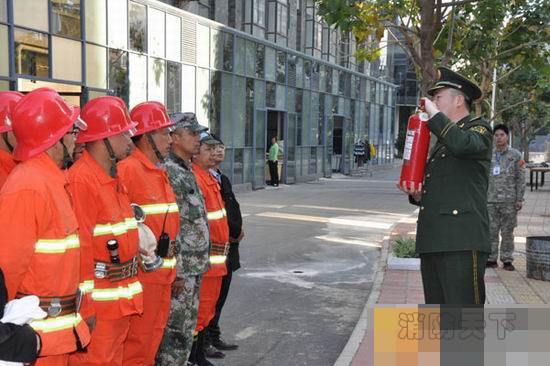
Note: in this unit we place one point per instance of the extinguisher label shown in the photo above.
(408, 145)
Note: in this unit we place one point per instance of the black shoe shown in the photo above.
(220, 344)
(508, 267)
(211, 352)
(491, 264)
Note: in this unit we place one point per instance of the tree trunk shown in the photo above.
(429, 26)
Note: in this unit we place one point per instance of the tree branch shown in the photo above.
(457, 3)
(509, 107)
(505, 75)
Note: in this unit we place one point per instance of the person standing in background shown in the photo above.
(272, 161)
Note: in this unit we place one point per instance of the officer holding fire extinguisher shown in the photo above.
(453, 228)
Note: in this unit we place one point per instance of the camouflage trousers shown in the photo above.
(178, 337)
(503, 218)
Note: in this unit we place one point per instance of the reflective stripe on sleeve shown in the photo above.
(116, 229)
(160, 208)
(217, 259)
(169, 263)
(216, 215)
(117, 293)
(54, 246)
(86, 287)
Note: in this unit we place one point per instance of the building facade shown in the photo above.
(249, 69)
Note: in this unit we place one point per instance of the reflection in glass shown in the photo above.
(215, 101)
(156, 32)
(259, 90)
(156, 79)
(239, 55)
(188, 88)
(203, 45)
(67, 59)
(31, 13)
(173, 79)
(281, 69)
(118, 73)
(249, 125)
(239, 107)
(270, 94)
(260, 58)
(227, 108)
(118, 14)
(238, 167)
(31, 53)
(203, 100)
(173, 37)
(138, 27)
(270, 64)
(228, 52)
(66, 17)
(216, 38)
(250, 58)
(96, 66)
(138, 79)
(96, 21)
(4, 54)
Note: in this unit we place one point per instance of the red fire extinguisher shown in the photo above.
(415, 153)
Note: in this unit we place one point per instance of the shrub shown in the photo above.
(405, 248)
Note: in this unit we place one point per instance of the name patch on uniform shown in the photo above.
(479, 129)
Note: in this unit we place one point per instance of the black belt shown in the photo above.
(56, 305)
(116, 271)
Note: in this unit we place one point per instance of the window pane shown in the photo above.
(215, 101)
(250, 58)
(281, 67)
(96, 21)
(31, 53)
(259, 89)
(118, 73)
(138, 79)
(270, 64)
(31, 13)
(66, 17)
(173, 37)
(156, 32)
(4, 47)
(92, 94)
(203, 45)
(228, 52)
(249, 126)
(67, 59)
(138, 27)
(188, 88)
(247, 165)
(239, 55)
(216, 49)
(156, 79)
(173, 80)
(202, 100)
(96, 66)
(227, 106)
(239, 108)
(270, 95)
(280, 95)
(238, 167)
(259, 12)
(3, 11)
(117, 11)
(260, 57)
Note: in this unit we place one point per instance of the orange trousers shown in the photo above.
(57, 360)
(146, 331)
(106, 345)
(210, 292)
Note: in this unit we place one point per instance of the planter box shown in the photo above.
(408, 264)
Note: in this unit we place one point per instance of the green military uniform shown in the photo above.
(192, 255)
(506, 188)
(453, 227)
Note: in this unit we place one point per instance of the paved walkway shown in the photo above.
(503, 287)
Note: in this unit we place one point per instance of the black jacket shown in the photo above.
(17, 342)
(234, 220)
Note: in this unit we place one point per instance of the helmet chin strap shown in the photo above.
(112, 157)
(154, 146)
(5, 137)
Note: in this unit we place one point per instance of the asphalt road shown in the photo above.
(307, 267)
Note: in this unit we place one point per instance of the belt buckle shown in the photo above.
(100, 270)
(55, 307)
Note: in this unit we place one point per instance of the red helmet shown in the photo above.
(106, 117)
(8, 99)
(150, 116)
(40, 119)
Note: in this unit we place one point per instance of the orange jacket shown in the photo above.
(103, 210)
(6, 166)
(149, 187)
(39, 248)
(217, 220)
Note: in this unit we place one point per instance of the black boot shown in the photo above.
(220, 344)
(193, 354)
(201, 356)
(209, 350)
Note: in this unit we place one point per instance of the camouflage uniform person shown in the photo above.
(192, 243)
(504, 197)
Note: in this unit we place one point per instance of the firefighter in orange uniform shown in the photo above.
(144, 176)
(219, 236)
(108, 231)
(39, 244)
(8, 99)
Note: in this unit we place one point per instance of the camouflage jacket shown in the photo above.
(193, 240)
(507, 176)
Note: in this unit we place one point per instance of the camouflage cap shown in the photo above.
(187, 120)
(206, 138)
(447, 78)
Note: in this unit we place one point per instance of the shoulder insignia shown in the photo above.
(461, 125)
(475, 119)
(480, 129)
